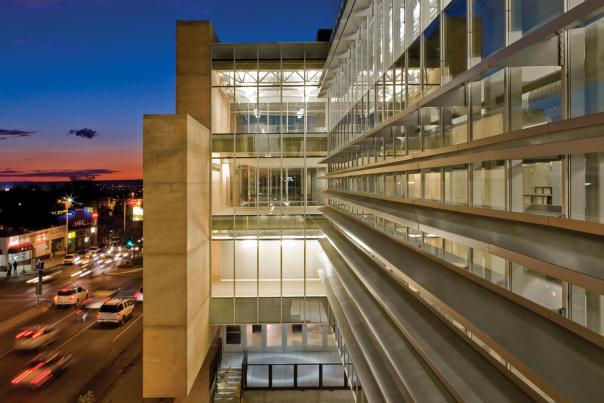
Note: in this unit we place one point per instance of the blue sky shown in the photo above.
(101, 64)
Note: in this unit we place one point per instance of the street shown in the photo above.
(98, 350)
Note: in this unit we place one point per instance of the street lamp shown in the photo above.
(67, 201)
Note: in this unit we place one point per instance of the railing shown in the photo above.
(294, 376)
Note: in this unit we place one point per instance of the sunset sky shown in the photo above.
(76, 76)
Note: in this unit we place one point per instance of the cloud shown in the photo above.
(54, 173)
(5, 134)
(84, 133)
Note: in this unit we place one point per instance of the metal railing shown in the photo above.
(294, 376)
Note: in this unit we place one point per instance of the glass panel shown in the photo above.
(587, 187)
(456, 254)
(488, 105)
(488, 184)
(315, 334)
(535, 95)
(269, 268)
(536, 186)
(414, 188)
(413, 21)
(222, 310)
(431, 128)
(432, 184)
(269, 310)
(273, 335)
(432, 57)
(245, 268)
(455, 122)
(294, 335)
(246, 310)
(586, 71)
(490, 267)
(456, 185)
(222, 268)
(254, 336)
(414, 78)
(537, 287)
(293, 267)
(456, 38)
(246, 109)
(433, 244)
(488, 27)
(587, 308)
(529, 14)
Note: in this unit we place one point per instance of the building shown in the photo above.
(424, 193)
(24, 248)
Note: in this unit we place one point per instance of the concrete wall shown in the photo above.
(176, 331)
(193, 69)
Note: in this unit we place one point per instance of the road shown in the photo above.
(98, 351)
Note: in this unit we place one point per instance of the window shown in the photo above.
(431, 57)
(587, 187)
(456, 38)
(254, 335)
(456, 185)
(587, 308)
(536, 186)
(529, 14)
(432, 183)
(586, 54)
(431, 128)
(233, 335)
(294, 335)
(489, 267)
(456, 254)
(414, 185)
(488, 105)
(488, 27)
(488, 184)
(537, 287)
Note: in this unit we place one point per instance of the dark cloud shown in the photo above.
(54, 173)
(84, 133)
(5, 134)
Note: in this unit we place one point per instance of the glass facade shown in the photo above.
(268, 135)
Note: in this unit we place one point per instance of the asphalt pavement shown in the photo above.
(96, 349)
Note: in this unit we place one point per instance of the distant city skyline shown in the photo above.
(78, 76)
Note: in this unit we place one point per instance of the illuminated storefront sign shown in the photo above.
(137, 214)
(135, 202)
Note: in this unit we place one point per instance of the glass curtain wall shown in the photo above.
(406, 49)
(268, 136)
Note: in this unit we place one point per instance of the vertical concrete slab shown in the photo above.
(176, 331)
(193, 69)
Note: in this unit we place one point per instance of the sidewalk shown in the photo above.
(28, 270)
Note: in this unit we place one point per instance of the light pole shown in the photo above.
(67, 201)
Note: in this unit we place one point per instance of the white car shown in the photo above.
(35, 337)
(115, 311)
(74, 295)
(71, 259)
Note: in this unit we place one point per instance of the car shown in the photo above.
(43, 368)
(115, 311)
(35, 337)
(71, 258)
(73, 295)
(138, 295)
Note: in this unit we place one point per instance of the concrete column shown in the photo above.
(193, 70)
(176, 331)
